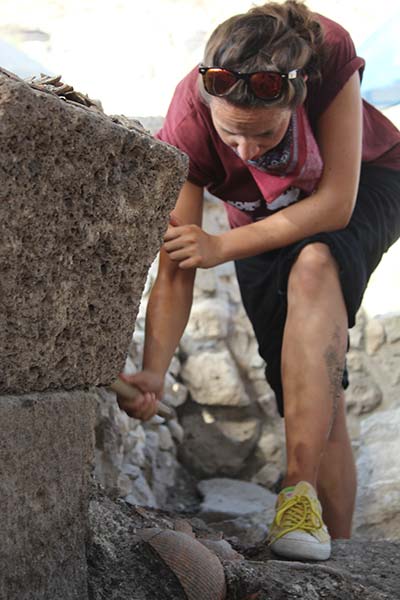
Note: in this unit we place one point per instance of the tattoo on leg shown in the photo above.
(334, 360)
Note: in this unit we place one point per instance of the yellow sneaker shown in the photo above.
(298, 530)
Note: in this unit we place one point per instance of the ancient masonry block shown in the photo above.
(84, 203)
(45, 462)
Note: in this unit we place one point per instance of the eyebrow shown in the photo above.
(266, 132)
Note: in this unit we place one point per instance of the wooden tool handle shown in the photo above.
(130, 392)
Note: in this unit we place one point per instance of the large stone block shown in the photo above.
(84, 203)
(46, 443)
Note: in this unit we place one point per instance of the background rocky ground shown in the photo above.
(227, 434)
(223, 454)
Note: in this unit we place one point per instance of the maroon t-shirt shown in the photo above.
(214, 165)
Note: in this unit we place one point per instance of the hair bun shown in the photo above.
(303, 22)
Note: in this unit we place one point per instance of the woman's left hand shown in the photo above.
(192, 247)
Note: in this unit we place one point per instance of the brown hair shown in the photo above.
(281, 37)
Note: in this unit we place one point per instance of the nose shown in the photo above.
(248, 150)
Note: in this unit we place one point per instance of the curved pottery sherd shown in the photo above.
(199, 571)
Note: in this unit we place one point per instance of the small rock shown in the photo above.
(208, 321)
(176, 430)
(174, 367)
(392, 328)
(267, 402)
(249, 530)
(226, 498)
(136, 490)
(175, 393)
(213, 379)
(356, 333)
(132, 470)
(206, 282)
(268, 476)
(363, 395)
(271, 442)
(165, 439)
(374, 336)
(378, 499)
(354, 361)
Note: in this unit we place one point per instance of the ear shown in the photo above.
(305, 77)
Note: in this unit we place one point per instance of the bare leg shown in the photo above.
(314, 346)
(337, 480)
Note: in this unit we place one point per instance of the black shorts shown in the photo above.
(373, 228)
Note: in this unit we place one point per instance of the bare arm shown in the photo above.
(168, 310)
(328, 209)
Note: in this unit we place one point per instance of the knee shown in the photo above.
(313, 269)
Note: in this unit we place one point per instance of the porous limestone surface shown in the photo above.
(84, 203)
(46, 448)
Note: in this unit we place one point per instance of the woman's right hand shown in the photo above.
(145, 405)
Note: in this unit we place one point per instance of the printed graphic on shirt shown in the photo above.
(258, 208)
(246, 206)
(289, 197)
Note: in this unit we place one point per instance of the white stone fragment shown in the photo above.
(268, 476)
(213, 379)
(227, 498)
(132, 470)
(392, 328)
(356, 333)
(174, 366)
(165, 438)
(239, 432)
(270, 443)
(208, 322)
(175, 392)
(378, 499)
(140, 494)
(354, 360)
(130, 367)
(363, 395)
(205, 283)
(374, 336)
(176, 430)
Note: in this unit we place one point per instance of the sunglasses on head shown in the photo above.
(266, 85)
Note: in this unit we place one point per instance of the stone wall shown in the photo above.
(227, 415)
(84, 201)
